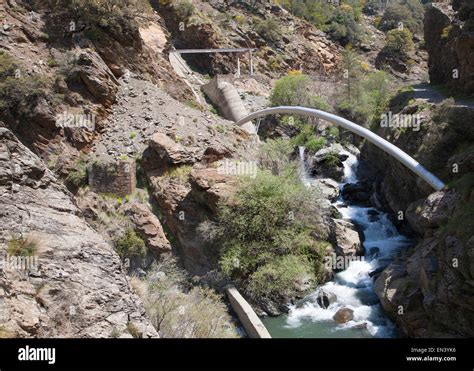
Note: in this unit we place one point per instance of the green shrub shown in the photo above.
(19, 92)
(130, 245)
(295, 90)
(269, 29)
(409, 13)
(180, 172)
(280, 277)
(274, 155)
(184, 9)
(399, 43)
(20, 246)
(133, 330)
(331, 159)
(268, 218)
(343, 26)
(314, 144)
(333, 132)
(307, 138)
(52, 62)
(77, 176)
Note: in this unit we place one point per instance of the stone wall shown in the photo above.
(118, 178)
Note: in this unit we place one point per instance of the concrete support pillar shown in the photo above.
(251, 63)
(238, 65)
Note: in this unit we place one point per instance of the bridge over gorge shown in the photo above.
(237, 51)
(381, 143)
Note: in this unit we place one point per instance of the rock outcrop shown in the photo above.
(450, 45)
(347, 239)
(429, 291)
(149, 228)
(327, 162)
(76, 286)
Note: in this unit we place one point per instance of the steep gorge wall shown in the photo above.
(450, 44)
(428, 289)
(77, 288)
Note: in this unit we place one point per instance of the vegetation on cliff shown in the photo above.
(178, 310)
(267, 231)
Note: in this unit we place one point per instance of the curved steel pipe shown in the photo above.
(384, 145)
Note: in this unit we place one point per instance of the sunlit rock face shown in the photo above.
(73, 284)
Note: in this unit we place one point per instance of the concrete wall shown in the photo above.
(252, 324)
(118, 178)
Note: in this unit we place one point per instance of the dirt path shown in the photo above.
(432, 95)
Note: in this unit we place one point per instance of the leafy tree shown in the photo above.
(399, 43)
(409, 14)
(367, 93)
(343, 26)
(295, 90)
(266, 223)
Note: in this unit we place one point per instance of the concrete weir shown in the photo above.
(252, 324)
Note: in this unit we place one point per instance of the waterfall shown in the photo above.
(303, 174)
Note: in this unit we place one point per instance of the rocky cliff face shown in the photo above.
(75, 286)
(428, 290)
(283, 41)
(77, 66)
(450, 44)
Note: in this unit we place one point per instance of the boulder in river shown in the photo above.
(327, 162)
(347, 239)
(343, 315)
(356, 193)
(328, 187)
(325, 298)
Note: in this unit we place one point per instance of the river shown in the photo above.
(353, 286)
